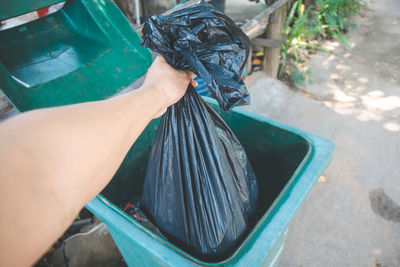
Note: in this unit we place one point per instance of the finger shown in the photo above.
(194, 83)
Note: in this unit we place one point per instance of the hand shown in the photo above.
(168, 84)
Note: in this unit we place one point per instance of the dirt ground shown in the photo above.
(352, 216)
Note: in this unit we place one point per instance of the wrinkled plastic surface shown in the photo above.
(200, 189)
(204, 40)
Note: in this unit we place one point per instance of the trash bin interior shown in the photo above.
(276, 155)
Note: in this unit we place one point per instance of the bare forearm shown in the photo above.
(55, 160)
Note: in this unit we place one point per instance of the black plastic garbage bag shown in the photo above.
(200, 189)
(204, 40)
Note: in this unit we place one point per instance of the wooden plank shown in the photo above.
(267, 42)
(274, 31)
(249, 64)
(257, 25)
(253, 28)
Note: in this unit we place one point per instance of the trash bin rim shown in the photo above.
(264, 217)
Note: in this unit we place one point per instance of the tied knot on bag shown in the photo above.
(205, 41)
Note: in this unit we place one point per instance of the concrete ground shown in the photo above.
(352, 215)
(242, 10)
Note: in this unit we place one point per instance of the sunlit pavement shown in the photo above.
(352, 215)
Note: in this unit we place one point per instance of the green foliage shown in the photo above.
(305, 26)
(299, 74)
(332, 14)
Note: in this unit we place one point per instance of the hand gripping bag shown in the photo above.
(200, 189)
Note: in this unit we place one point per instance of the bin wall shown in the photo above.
(140, 247)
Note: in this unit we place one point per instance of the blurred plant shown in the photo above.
(306, 26)
(332, 14)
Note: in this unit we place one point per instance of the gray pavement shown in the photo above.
(241, 10)
(352, 217)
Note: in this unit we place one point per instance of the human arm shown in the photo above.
(53, 161)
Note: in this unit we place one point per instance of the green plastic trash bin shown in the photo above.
(85, 51)
(88, 51)
(286, 160)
